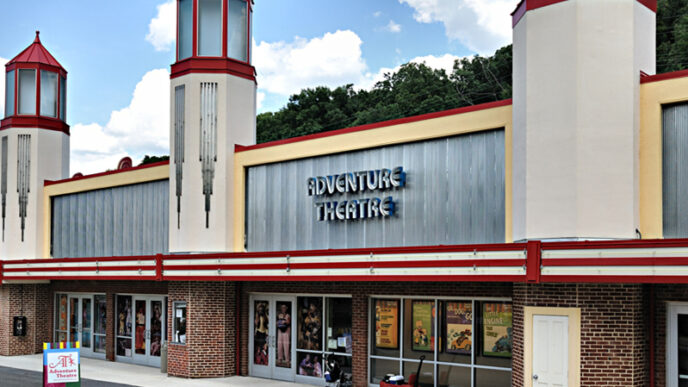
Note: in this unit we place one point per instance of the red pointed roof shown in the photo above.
(36, 53)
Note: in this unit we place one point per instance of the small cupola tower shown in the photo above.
(213, 108)
(34, 146)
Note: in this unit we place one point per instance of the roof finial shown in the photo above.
(37, 40)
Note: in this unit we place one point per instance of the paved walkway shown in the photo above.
(129, 374)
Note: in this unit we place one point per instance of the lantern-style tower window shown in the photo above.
(35, 90)
(214, 29)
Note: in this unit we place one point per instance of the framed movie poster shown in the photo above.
(309, 313)
(497, 329)
(458, 327)
(423, 338)
(387, 324)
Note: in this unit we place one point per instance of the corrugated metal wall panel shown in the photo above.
(675, 171)
(454, 195)
(128, 220)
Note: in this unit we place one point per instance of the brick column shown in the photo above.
(359, 336)
(613, 329)
(110, 326)
(210, 330)
(31, 301)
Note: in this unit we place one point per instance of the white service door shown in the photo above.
(550, 351)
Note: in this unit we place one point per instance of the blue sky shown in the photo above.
(118, 55)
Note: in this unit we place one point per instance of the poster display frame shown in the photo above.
(394, 341)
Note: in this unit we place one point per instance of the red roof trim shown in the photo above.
(39, 122)
(53, 182)
(217, 65)
(376, 125)
(663, 76)
(529, 5)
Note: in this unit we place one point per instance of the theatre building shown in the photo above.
(539, 241)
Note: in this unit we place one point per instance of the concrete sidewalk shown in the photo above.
(137, 375)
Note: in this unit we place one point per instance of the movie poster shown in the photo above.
(423, 326)
(387, 324)
(261, 321)
(309, 323)
(459, 317)
(497, 329)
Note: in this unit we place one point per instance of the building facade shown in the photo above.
(537, 241)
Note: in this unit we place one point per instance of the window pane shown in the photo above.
(63, 98)
(310, 364)
(338, 337)
(426, 377)
(492, 378)
(179, 320)
(185, 28)
(9, 94)
(100, 314)
(456, 331)
(27, 91)
(419, 325)
(237, 30)
(48, 94)
(210, 27)
(124, 316)
(495, 334)
(683, 344)
(385, 330)
(309, 315)
(61, 313)
(379, 368)
(449, 376)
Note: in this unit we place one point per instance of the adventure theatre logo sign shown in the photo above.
(377, 180)
(63, 367)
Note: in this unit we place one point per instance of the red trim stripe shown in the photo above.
(53, 182)
(606, 262)
(382, 124)
(663, 76)
(615, 279)
(85, 278)
(529, 5)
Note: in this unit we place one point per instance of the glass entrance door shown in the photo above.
(140, 329)
(74, 322)
(272, 338)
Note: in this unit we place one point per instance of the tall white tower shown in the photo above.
(213, 107)
(576, 87)
(34, 147)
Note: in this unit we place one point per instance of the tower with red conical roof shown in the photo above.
(34, 146)
(213, 108)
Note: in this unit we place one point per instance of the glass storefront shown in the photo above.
(82, 318)
(140, 328)
(464, 342)
(292, 336)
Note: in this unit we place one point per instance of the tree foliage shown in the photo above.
(153, 159)
(412, 90)
(672, 35)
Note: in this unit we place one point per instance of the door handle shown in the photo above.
(535, 377)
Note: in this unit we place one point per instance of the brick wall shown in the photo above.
(613, 329)
(360, 293)
(211, 330)
(23, 300)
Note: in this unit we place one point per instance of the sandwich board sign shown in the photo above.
(61, 365)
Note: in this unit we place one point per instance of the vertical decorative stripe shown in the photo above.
(23, 176)
(208, 143)
(3, 184)
(179, 105)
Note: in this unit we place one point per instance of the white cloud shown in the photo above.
(2, 87)
(138, 129)
(331, 60)
(377, 14)
(393, 27)
(162, 28)
(481, 25)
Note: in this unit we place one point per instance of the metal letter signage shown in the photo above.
(354, 182)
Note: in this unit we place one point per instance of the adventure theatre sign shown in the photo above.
(377, 180)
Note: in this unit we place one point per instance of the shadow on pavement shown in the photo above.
(13, 377)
